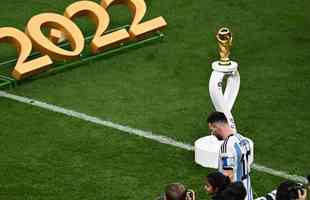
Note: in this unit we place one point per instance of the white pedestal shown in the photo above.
(207, 151)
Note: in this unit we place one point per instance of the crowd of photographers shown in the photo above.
(219, 187)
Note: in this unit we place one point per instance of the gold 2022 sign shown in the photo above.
(62, 27)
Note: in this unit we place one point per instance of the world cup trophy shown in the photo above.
(224, 39)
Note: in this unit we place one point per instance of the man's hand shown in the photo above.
(190, 195)
(302, 196)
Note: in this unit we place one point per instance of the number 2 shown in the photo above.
(23, 44)
(138, 8)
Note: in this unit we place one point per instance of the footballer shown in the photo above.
(235, 151)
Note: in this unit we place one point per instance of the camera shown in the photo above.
(290, 190)
(294, 190)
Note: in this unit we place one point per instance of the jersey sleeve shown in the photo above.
(227, 157)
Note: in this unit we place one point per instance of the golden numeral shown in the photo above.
(65, 25)
(102, 19)
(23, 45)
(138, 8)
(63, 28)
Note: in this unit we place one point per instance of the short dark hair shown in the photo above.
(218, 181)
(217, 117)
(175, 191)
(235, 191)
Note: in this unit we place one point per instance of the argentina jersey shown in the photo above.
(235, 154)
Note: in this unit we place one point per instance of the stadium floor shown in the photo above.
(162, 88)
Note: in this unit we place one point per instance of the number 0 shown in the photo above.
(44, 45)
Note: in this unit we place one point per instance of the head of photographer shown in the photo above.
(219, 187)
(215, 183)
(177, 191)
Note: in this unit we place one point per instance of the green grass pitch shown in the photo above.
(162, 88)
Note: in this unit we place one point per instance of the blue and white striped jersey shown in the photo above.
(235, 154)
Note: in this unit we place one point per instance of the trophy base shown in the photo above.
(207, 151)
(230, 68)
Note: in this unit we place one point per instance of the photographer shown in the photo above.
(215, 183)
(235, 191)
(177, 191)
(288, 190)
(220, 187)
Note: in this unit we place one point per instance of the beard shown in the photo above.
(219, 137)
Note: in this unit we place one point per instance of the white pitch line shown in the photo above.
(146, 134)
(262, 168)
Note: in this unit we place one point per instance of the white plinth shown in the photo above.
(207, 151)
(216, 66)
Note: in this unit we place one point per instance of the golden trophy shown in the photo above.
(224, 39)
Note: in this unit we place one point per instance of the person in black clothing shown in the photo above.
(290, 190)
(220, 187)
(215, 183)
(235, 191)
